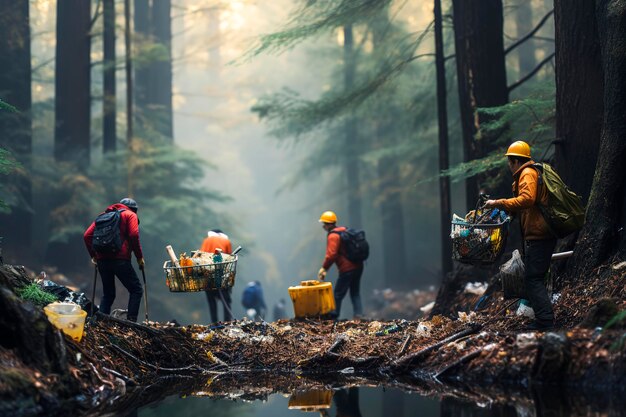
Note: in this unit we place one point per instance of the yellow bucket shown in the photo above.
(67, 317)
(312, 298)
(310, 400)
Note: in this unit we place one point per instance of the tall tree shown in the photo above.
(141, 40)
(72, 103)
(442, 116)
(481, 73)
(391, 210)
(160, 91)
(605, 212)
(109, 105)
(351, 145)
(579, 92)
(523, 23)
(16, 128)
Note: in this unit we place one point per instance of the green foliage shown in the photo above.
(534, 115)
(36, 295)
(616, 320)
(7, 107)
(292, 116)
(317, 16)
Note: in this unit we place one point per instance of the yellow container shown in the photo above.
(67, 317)
(310, 400)
(312, 298)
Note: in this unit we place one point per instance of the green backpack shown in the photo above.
(564, 213)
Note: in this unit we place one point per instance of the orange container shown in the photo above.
(312, 298)
(312, 400)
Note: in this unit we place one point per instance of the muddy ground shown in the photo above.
(482, 356)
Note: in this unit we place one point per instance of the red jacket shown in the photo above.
(129, 232)
(216, 240)
(334, 254)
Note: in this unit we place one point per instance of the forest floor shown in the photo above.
(481, 356)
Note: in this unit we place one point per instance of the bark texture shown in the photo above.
(579, 87)
(73, 83)
(600, 237)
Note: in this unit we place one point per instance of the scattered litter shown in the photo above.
(477, 288)
(203, 336)
(423, 329)
(525, 339)
(619, 265)
(556, 297)
(466, 318)
(525, 310)
(427, 308)
(348, 370)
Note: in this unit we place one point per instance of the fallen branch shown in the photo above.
(458, 362)
(106, 317)
(408, 359)
(192, 368)
(404, 345)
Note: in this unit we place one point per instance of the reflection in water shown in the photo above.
(379, 401)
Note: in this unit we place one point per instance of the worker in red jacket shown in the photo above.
(216, 239)
(110, 240)
(349, 272)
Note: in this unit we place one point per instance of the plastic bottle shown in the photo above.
(217, 256)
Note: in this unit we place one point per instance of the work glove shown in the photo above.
(94, 261)
(141, 262)
(321, 274)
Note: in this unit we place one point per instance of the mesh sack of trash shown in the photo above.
(512, 276)
(480, 237)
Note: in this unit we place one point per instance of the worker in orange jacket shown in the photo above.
(349, 272)
(539, 242)
(217, 239)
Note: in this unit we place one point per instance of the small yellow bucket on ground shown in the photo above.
(312, 298)
(67, 317)
(313, 400)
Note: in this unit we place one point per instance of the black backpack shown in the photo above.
(106, 236)
(354, 245)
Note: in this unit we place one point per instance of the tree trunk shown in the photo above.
(524, 24)
(442, 116)
(579, 89)
(141, 40)
(72, 83)
(129, 99)
(160, 92)
(16, 128)
(481, 73)
(109, 105)
(391, 211)
(351, 146)
(599, 238)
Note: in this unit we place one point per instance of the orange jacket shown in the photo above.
(216, 240)
(525, 188)
(334, 253)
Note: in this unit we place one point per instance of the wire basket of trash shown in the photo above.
(480, 237)
(200, 273)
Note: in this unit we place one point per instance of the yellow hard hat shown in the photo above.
(519, 148)
(328, 217)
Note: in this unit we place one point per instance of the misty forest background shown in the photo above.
(254, 117)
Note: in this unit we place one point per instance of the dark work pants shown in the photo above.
(537, 256)
(350, 280)
(123, 270)
(212, 296)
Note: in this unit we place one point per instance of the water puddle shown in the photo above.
(378, 401)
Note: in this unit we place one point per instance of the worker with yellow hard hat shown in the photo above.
(539, 242)
(349, 271)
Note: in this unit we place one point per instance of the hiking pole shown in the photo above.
(93, 294)
(145, 290)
